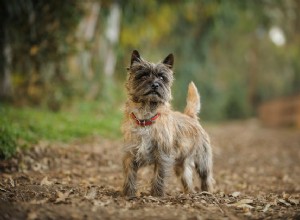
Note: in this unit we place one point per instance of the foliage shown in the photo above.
(223, 46)
(23, 126)
(39, 35)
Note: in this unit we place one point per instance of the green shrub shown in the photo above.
(29, 125)
(8, 139)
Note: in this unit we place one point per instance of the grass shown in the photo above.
(29, 125)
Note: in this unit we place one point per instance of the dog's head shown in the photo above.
(148, 82)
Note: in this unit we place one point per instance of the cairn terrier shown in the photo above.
(155, 134)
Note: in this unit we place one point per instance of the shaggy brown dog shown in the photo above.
(154, 134)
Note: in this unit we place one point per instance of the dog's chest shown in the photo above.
(151, 144)
(146, 147)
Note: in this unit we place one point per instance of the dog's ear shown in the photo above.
(135, 57)
(169, 61)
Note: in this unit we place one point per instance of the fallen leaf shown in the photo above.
(285, 195)
(235, 194)
(244, 206)
(32, 215)
(222, 194)
(46, 182)
(2, 189)
(284, 202)
(245, 201)
(91, 194)
(62, 196)
(294, 201)
(37, 167)
(101, 203)
(203, 201)
(242, 202)
(154, 199)
(12, 182)
(266, 207)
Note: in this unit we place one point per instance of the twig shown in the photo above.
(4, 190)
(229, 215)
(207, 193)
(216, 200)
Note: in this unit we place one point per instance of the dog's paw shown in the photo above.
(157, 193)
(131, 198)
(129, 193)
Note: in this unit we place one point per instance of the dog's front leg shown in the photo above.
(158, 180)
(161, 167)
(130, 168)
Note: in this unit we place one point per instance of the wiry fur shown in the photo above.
(175, 141)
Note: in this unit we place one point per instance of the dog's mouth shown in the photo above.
(153, 92)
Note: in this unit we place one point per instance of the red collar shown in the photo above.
(144, 122)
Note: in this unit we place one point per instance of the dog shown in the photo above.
(155, 134)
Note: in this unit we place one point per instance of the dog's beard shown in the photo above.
(148, 95)
(155, 95)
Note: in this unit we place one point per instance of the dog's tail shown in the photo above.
(193, 101)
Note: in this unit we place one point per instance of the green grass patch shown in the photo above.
(29, 125)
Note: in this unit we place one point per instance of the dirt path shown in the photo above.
(257, 172)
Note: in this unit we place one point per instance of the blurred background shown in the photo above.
(63, 63)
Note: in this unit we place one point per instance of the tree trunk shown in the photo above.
(112, 37)
(5, 63)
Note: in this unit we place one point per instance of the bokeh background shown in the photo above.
(63, 63)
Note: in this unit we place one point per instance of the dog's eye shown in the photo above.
(161, 77)
(143, 76)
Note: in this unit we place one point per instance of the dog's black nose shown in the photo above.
(155, 85)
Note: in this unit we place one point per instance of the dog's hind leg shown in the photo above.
(203, 163)
(184, 172)
(187, 178)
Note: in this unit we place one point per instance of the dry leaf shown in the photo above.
(101, 203)
(2, 189)
(154, 199)
(285, 195)
(222, 194)
(37, 167)
(294, 201)
(62, 196)
(241, 203)
(12, 182)
(236, 194)
(245, 201)
(284, 202)
(244, 206)
(203, 201)
(91, 194)
(32, 215)
(46, 182)
(266, 207)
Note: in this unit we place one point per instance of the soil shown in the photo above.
(257, 173)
